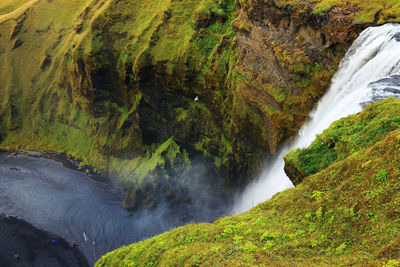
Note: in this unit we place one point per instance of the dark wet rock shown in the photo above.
(383, 88)
(167, 15)
(392, 90)
(391, 80)
(45, 62)
(397, 36)
(24, 245)
(17, 43)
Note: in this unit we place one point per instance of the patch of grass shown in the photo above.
(8, 6)
(167, 157)
(366, 10)
(345, 137)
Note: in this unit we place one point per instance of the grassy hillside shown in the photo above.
(362, 11)
(366, 11)
(10, 6)
(345, 137)
(346, 213)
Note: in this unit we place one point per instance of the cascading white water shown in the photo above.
(369, 72)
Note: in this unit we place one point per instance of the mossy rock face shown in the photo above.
(345, 137)
(108, 82)
(156, 176)
(344, 214)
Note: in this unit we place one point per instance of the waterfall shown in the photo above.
(370, 71)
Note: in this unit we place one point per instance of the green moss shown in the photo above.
(167, 158)
(181, 114)
(227, 144)
(8, 6)
(345, 137)
(326, 220)
(201, 106)
(314, 158)
(366, 11)
(324, 6)
(202, 145)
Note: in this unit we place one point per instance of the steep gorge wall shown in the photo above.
(113, 83)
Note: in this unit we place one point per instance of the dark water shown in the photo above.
(76, 207)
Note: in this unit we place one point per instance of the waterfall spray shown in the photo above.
(370, 71)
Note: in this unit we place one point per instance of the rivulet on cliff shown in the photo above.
(145, 91)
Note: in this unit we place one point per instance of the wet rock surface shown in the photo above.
(24, 245)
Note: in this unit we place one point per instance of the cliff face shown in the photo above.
(288, 58)
(115, 83)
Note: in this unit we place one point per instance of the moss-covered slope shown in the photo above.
(113, 83)
(345, 214)
(345, 137)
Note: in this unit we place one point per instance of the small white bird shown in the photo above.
(196, 98)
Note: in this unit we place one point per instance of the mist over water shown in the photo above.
(76, 207)
(369, 72)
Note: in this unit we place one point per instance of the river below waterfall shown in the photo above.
(74, 206)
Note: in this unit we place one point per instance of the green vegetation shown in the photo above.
(8, 6)
(360, 11)
(345, 137)
(168, 157)
(345, 214)
(367, 10)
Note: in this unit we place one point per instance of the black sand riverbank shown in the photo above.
(34, 247)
